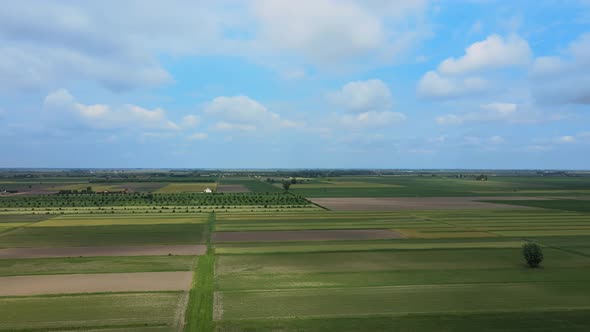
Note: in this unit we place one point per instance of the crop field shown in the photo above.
(118, 272)
(92, 311)
(454, 267)
(187, 188)
(422, 186)
(445, 257)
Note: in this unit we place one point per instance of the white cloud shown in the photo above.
(61, 106)
(539, 147)
(242, 113)
(433, 85)
(371, 120)
(56, 43)
(368, 104)
(458, 77)
(494, 112)
(326, 32)
(449, 119)
(564, 79)
(566, 139)
(492, 53)
(190, 121)
(363, 96)
(239, 109)
(198, 136)
(226, 126)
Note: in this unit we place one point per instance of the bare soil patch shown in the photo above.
(317, 235)
(232, 188)
(409, 203)
(18, 253)
(95, 283)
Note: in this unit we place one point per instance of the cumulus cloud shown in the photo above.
(368, 104)
(242, 113)
(190, 121)
(61, 106)
(433, 85)
(363, 96)
(329, 31)
(492, 53)
(564, 79)
(457, 77)
(54, 43)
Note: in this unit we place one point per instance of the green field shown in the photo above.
(81, 265)
(83, 236)
(558, 204)
(78, 312)
(422, 186)
(452, 270)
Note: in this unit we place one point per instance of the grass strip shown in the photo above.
(199, 312)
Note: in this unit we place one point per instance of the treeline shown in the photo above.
(150, 199)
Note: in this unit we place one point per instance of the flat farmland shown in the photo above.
(160, 310)
(197, 187)
(131, 219)
(423, 186)
(404, 203)
(321, 235)
(83, 265)
(401, 300)
(80, 236)
(142, 250)
(436, 259)
(457, 268)
(94, 283)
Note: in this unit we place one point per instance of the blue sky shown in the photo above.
(295, 84)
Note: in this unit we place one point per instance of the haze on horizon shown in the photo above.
(295, 84)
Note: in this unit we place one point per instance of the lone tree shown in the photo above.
(286, 185)
(533, 254)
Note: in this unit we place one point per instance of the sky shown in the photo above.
(295, 84)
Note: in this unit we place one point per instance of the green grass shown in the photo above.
(199, 311)
(398, 277)
(531, 321)
(418, 186)
(16, 267)
(359, 246)
(88, 311)
(404, 299)
(82, 236)
(390, 260)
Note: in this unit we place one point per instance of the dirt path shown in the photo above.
(95, 283)
(318, 235)
(17, 253)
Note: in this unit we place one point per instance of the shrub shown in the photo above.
(533, 254)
